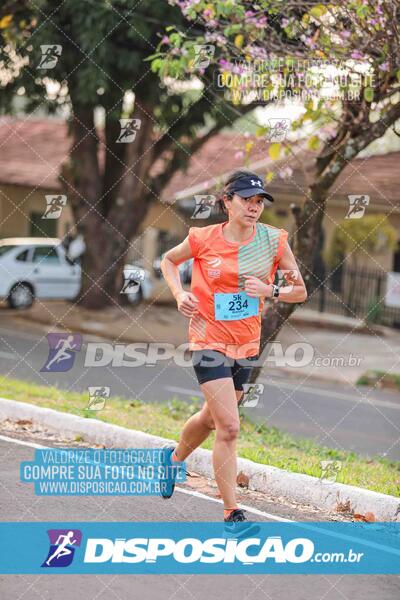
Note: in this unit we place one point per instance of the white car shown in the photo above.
(36, 268)
(39, 268)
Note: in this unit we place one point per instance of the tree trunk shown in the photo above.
(109, 208)
(308, 229)
(276, 315)
(82, 182)
(337, 153)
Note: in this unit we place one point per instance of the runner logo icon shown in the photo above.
(63, 543)
(63, 347)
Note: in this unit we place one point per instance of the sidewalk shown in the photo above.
(346, 348)
(340, 355)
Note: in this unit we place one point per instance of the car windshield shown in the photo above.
(5, 249)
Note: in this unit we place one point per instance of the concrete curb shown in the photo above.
(276, 482)
(298, 320)
(311, 318)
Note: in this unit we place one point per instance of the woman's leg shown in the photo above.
(222, 399)
(197, 429)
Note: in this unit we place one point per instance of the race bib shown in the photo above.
(231, 307)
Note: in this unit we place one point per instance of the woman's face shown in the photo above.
(245, 211)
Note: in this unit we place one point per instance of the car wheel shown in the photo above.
(135, 299)
(21, 296)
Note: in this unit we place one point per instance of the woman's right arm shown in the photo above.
(186, 301)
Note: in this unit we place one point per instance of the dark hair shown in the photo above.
(230, 179)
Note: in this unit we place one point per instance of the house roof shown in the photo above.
(375, 176)
(33, 151)
(221, 154)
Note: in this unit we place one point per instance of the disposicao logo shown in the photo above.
(179, 547)
(191, 550)
(62, 349)
(63, 543)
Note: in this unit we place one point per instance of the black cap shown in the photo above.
(247, 186)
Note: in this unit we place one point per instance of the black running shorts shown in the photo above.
(212, 364)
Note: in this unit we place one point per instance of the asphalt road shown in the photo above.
(19, 503)
(346, 417)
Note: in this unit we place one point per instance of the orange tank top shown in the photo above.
(222, 266)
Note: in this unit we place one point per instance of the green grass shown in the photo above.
(374, 377)
(260, 443)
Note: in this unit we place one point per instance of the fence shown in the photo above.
(355, 293)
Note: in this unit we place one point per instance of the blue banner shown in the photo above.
(98, 472)
(199, 548)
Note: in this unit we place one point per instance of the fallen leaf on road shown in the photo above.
(358, 517)
(343, 507)
(242, 480)
(369, 517)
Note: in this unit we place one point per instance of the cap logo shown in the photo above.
(255, 182)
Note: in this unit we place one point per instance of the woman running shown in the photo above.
(234, 266)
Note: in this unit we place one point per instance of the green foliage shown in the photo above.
(105, 50)
(380, 379)
(269, 217)
(104, 45)
(176, 409)
(258, 441)
(270, 33)
(369, 234)
(374, 311)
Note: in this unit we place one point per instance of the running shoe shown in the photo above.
(170, 481)
(237, 525)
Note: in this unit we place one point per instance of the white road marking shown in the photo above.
(22, 443)
(250, 509)
(301, 524)
(244, 506)
(255, 511)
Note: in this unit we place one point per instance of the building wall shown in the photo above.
(167, 218)
(19, 203)
(335, 213)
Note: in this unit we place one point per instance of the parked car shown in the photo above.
(40, 268)
(36, 268)
(76, 247)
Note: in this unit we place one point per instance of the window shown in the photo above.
(5, 249)
(40, 227)
(46, 255)
(22, 256)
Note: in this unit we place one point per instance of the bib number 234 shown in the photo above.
(231, 307)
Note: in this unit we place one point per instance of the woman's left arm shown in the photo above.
(296, 290)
